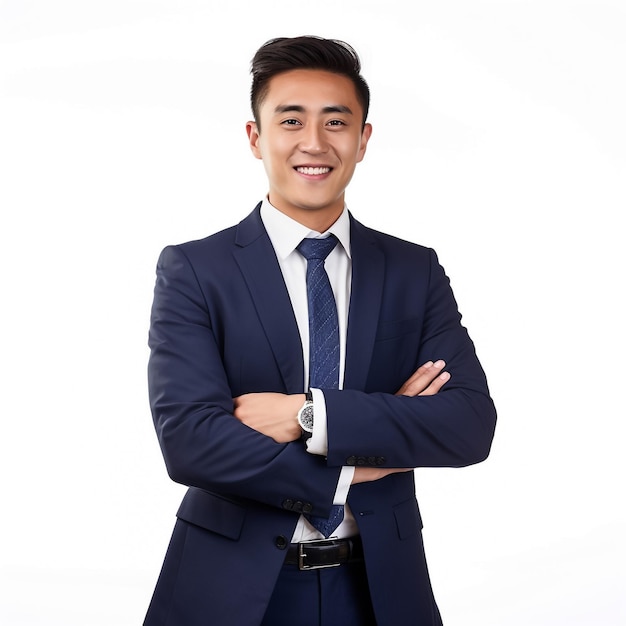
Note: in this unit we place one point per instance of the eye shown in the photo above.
(291, 122)
(336, 123)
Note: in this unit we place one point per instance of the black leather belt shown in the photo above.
(321, 553)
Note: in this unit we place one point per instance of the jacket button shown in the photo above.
(361, 460)
(307, 508)
(288, 504)
(297, 506)
(371, 460)
(281, 542)
(380, 460)
(351, 460)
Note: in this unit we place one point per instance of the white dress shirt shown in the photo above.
(285, 235)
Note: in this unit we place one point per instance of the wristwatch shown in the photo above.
(305, 416)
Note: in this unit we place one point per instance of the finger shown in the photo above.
(436, 385)
(414, 380)
(239, 400)
(241, 406)
(421, 371)
(422, 378)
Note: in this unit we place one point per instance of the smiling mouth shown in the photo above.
(313, 171)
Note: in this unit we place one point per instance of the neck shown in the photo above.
(319, 220)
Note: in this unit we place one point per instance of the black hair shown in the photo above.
(307, 52)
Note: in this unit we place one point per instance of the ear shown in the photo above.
(253, 137)
(365, 137)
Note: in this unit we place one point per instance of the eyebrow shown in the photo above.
(297, 108)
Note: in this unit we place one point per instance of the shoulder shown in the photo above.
(390, 245)
(221, 244)
(215, 243)
(208, 251)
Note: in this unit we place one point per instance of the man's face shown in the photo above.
(311, 137)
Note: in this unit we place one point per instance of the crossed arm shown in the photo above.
(274, 414)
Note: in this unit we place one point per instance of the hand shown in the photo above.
(272, 414)
(427, 380)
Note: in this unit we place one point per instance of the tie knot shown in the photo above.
(317, 248)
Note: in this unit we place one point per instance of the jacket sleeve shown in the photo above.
(453, 428)
(191, 401)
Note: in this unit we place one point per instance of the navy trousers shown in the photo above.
(323, 597)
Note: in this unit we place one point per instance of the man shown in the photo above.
(286, 386)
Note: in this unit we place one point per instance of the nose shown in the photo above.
(312, 139)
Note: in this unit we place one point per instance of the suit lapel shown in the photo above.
(258, 264)
(368, 271)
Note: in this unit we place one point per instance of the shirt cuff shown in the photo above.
(318, 441)
(343, 486)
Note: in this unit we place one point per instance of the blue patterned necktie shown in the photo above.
(323, 340)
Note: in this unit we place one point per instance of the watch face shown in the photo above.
(305, 417)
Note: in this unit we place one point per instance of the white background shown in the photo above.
(499, 134)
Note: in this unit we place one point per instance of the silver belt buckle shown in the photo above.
(302, 555)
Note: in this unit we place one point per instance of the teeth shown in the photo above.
(313, 171)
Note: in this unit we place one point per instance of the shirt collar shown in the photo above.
(285, 233)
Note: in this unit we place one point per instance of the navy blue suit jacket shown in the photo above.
(222, 325)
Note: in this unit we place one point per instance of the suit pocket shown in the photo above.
(212, 512)
(398, 328)
(408, 518)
